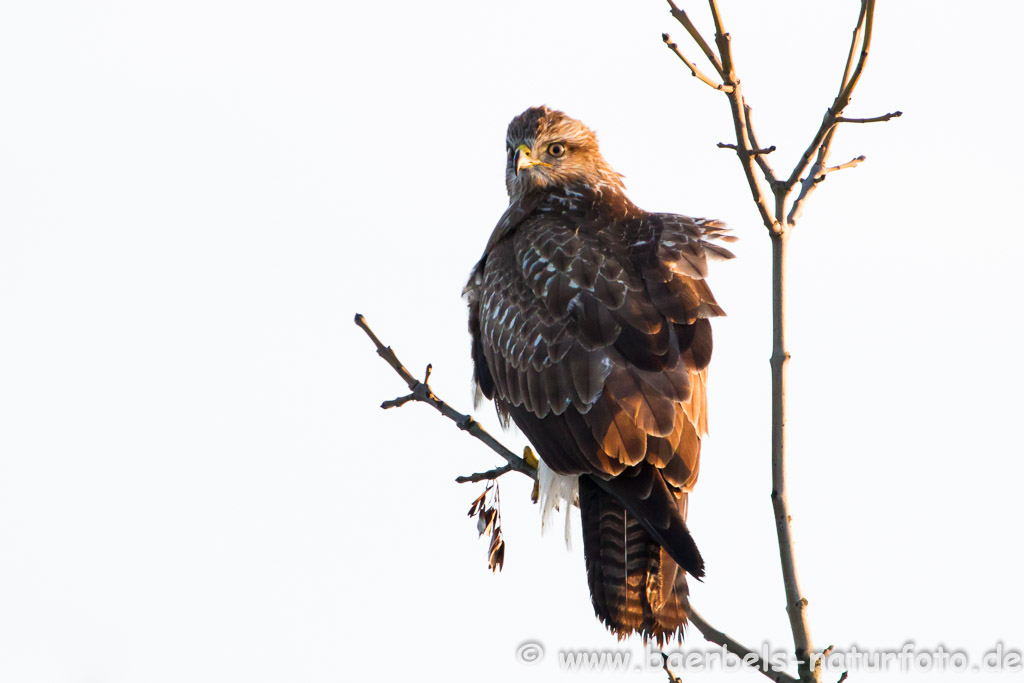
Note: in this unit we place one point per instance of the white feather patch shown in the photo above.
(555, 491)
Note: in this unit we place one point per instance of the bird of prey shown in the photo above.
(590, 331)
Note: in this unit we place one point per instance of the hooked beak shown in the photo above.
(522, 158)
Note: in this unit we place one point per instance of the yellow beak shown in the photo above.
(524, 160)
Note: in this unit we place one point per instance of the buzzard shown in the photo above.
(590, 325)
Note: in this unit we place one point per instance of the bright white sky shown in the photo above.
(195, 198)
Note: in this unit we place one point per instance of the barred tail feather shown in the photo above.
(634, 584)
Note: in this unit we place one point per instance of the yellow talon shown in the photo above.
(530, 458)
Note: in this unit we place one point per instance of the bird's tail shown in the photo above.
(636, 587)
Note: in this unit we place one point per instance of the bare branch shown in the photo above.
(712, 635)
(729, 145)
(398, 402)
(719, 31)
(737, 105)
(796, 604)
(854, 41)
(873, 119)
(849, 164)
(865, 23)
(697, 73)
(422, 392)
(822, 140)
(485, 476)
(747, 160)
(683, 19)
(766, 168)
(747, 148)
(811, 182)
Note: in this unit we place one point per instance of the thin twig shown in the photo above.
(485, 476)
(755, 150)
(814, 176)
(822, 141)
(865, 21)
(697, 73)
(422, 392)
(849, 164)
(828, 121)
(854, 41)
(873, 119)
(720, 31)
(737, 105)
(823, 172)
(712, 635)
(398, 402)
(766, 168)
(683, 19)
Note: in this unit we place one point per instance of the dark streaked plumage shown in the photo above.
(589, 319)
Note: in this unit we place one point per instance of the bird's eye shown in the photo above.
(508, 151)
(556, 149)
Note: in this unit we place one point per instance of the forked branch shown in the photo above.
(683, 19)
(697, 73)
(422, 392)
(766, 168)
(515, 463)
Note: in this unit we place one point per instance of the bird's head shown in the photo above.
(546, 148)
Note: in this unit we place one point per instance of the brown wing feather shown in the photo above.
(603, 317)
(590, 331)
